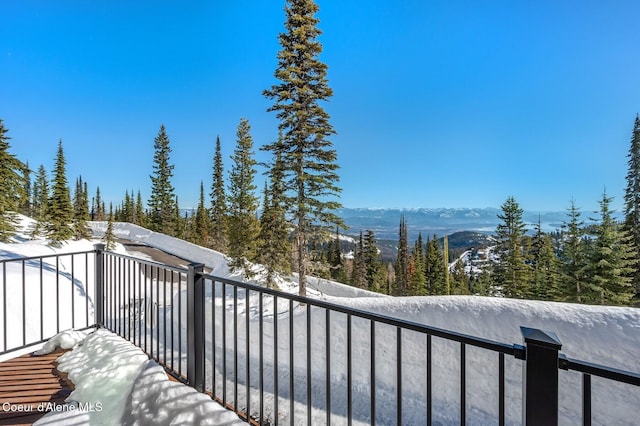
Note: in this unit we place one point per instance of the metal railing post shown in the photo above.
(195, 326)
(540, 381)
(99, 285)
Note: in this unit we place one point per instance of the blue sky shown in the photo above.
(436, 103)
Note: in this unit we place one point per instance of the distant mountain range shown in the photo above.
(440, 221)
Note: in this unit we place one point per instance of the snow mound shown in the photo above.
(115, 383)
(156, 400)
(67, 339)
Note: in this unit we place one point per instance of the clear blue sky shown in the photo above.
(436, 103)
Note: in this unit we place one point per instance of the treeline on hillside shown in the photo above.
(298, 202)
(594, 262)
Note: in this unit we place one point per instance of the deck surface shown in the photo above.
(28, 384)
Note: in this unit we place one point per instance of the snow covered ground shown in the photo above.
(115, 383)
(604, 335)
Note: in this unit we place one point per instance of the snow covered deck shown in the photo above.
(103, 380)
(29, 386)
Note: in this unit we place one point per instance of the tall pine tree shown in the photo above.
(243, 225)
(275, 247)
(375, 272)
(202, 224)
(80, 211)
(11, 186)
(401, 286)
(611, 261)
(218, 203)
(309, 160)
(60, 211)
(573, 257)
(40, 202)
(162, 204)
(512, 274)
(632, 201)
(435, 269)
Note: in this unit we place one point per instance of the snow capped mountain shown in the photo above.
(439, 221)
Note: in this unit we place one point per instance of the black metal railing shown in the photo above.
(43, 295)
(278, 358)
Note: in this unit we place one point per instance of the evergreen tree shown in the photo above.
(375, 276)
(545, 276)
(573, 257)
(275, 248)
(25, 196)
(179, 224)
(632, 200)
(11, 186)
(128, 208)
(139, 218)
(418, 280)
(98, 211)
(435, 281)
(202, 224)
(402, 261)
(611, 261)
(80, 212)
(459, 279)
(512, 274)
(40, 201)
(218, 203)
(109, 237)
(309, 161)
(359, 270)
(162, 204)
(60, 211)
(335, 260)
(243, 228)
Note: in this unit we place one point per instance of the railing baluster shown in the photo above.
(349, 374)
(224, 344)
(158, 313)
(4, 304)
(73, 281)
(247, 351)
(172, 323)
(164, 315)
(180, 324)
(308, 310)
(146, 314)
(261, 353)
(41, 304)
(463, 384)
(399, 375)
(24, 305)
(86, 291)
(235, 348)
(213, 339)
(57, 295)
(275, 360)
(327, 319)
(586, 399)
(291, 388)
(429, 381)
(501, 417)
(372, 363)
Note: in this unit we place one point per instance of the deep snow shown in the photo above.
(604, 335)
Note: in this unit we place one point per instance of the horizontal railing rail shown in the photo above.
(588, 370)
(275, 357)
(44, 295)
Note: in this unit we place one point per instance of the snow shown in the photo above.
(115, 383)
(603, 335)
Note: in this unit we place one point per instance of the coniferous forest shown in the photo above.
(291, 223)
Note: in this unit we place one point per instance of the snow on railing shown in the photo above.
(276, 357)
